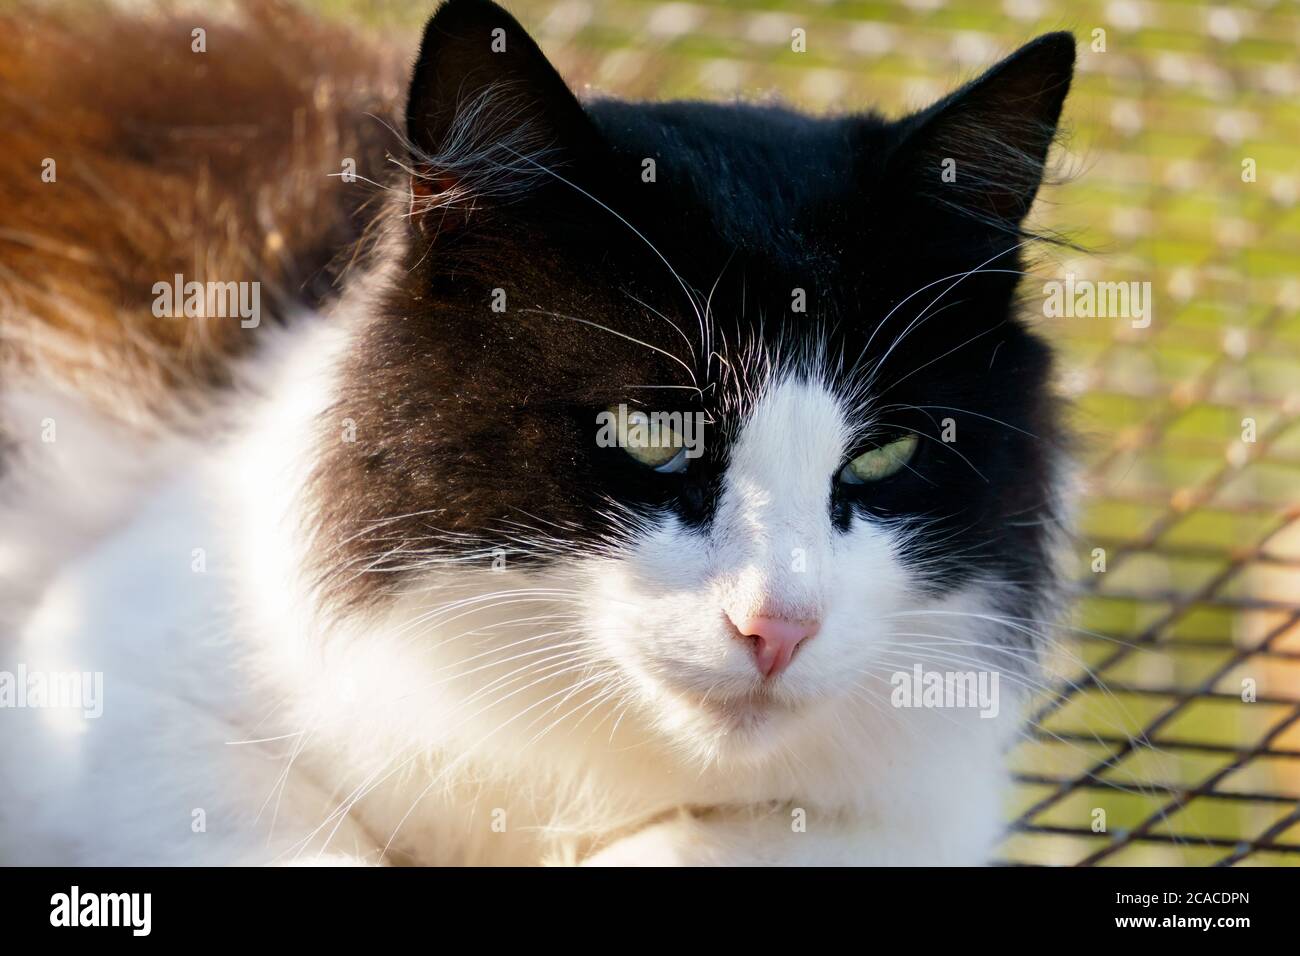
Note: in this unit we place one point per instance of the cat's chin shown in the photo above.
(744, 725)
(748, 710)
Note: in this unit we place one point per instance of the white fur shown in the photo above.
(601, 713)
(69, 473)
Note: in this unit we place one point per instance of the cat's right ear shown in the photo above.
(487, 115)
(980, 151)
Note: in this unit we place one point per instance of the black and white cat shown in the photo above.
(423, 585)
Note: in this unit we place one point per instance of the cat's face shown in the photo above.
(854, 427)
(782, 599)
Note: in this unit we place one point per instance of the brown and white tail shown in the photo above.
(137, 147)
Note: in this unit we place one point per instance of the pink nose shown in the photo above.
(775, 640)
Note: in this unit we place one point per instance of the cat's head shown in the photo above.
(853, 426)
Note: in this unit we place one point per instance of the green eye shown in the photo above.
(879, 463)
(653, 443)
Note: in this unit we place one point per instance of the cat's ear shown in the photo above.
(981, 150)
(487, 114)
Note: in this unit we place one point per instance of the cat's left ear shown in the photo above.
(981, 150)
(486, 113)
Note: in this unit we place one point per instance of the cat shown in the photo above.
(615, 502)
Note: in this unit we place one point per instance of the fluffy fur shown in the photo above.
(380, 596)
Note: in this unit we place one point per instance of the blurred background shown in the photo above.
(1173, 732)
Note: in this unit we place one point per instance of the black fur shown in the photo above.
(481, 424)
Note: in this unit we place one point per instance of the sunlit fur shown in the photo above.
(382, 600)
(588, 703)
